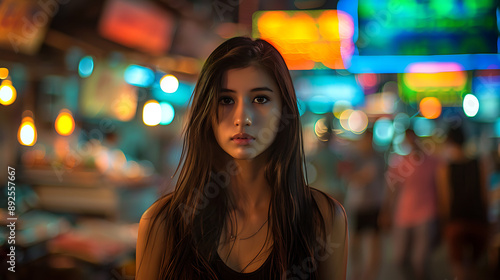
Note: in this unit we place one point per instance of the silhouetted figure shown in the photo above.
(463, 206)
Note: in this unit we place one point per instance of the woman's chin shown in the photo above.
(244, 154)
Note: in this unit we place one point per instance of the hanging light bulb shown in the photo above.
(8, 93)
(26, 135)
(65, 124)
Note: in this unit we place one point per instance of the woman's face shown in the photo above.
(249, 102)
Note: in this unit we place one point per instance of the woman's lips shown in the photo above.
(243, 141)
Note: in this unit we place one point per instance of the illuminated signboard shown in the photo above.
(137, 24)
(425, 80)
(411, 27)
(313, 39)
(390, 35)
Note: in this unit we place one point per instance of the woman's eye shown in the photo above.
(262, 98)
(223, 100)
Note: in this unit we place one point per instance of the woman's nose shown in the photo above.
(245, 121)
(243, 116)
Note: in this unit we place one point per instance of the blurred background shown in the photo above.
(94, 94)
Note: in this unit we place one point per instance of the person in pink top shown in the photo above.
(413, 199)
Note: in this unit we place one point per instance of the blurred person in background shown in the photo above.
(411, 208)
(241, 208)
(463, 205)
(364, 198)
(494, 211)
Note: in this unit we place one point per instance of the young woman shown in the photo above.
(241, 208)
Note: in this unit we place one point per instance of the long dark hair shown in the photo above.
(194, 214)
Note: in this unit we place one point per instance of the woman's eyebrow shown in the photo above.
(252, 90)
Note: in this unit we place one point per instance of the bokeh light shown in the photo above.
(401, 122)
(167, 113)
(358, 121)
(367, 80)
(340, 106)
(321, 129)
(344, 118)
(383, 131)
(65, 124)
(139, 76)
(430, 107)
(470, 105)
(4, 73)
(8, 93)
(151, 114)
(489, 104)
(319, 104)
(497, 128)
(86, 66)
(169, 83)
(27, 134)
(423, 127)
(400, 146)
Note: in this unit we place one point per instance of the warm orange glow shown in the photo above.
(419, 81)
(430, 107)
(27, 135)
(65, 124)
(271, 23)
(307, 39)
(8, 93)
(4, 73)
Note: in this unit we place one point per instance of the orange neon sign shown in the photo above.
(308, 39)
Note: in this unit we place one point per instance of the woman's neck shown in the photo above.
(249, 189)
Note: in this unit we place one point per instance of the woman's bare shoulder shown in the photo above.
(330, 208)
(333, 257)
(151, 245)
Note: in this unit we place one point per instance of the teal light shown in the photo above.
(320, 104)
(139, 76)
(383, 131)
(86, 66)
(334, 87)
(167, 113)
(401, 122)
(423, 127)
(402, 149)
(179, 98)
(488, 108)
